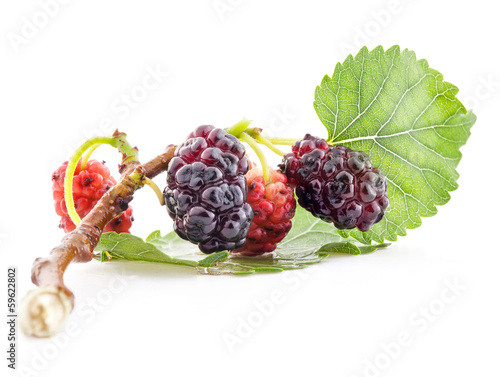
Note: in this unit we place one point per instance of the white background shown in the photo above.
(255, 59)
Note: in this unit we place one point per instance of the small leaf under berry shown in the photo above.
(171, 249)
(311, 235)
(129, 247)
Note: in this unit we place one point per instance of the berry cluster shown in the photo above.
(206, 193)
(89, 185)
(273, 206)
(218, 204)
(336, 184)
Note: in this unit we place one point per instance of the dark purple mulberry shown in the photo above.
(336, 184)
(206, 190)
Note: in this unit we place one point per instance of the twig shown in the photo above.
(44, 309)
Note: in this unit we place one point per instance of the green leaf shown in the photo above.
(172, 244)
(126, 246)
(408, 119)
(213, 259)
(310, 235)
(351, 248)
(247, 265)
(310, 241)
(171, 249)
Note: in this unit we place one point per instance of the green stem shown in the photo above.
(156, 189)
(137, 176)
(118, 141)
(86, 156)
(255, 146)
(239, 127)
(129, 153)
(281, 141)
(263, 140)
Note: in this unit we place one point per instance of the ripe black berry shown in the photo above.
(206, 190)
(336, 184)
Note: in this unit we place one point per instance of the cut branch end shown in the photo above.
(44, 311)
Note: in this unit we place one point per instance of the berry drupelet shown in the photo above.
(336, 184)
(89, 185)
(273, 205)
(206, 190)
